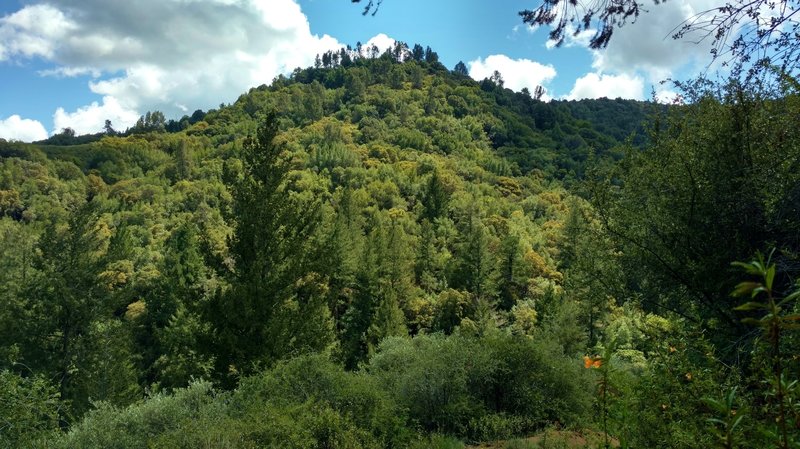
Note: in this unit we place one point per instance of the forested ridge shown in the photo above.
(381, 252)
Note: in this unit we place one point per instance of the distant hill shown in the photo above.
(403, 199)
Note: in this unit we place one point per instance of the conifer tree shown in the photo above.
(461, 69)
(64, 301)
(275, 307)
(475, 265)
(172, 318)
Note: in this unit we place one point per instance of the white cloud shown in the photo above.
(596, 85)
(516, 73)
(529, 28)
(572, 39)
(647, 43)
(18, 128)
(168, 55)
(33, 31)
(69, 72)
(643, 48)
(381, 41)
(91, 119)
(667, 96)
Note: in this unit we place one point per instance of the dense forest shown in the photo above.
(380, 252)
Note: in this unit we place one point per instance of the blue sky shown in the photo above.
(75, 63)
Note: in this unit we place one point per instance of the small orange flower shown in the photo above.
(689, 377)
(672, 349)
(592, 362)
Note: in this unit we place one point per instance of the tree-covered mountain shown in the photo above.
(378, 251)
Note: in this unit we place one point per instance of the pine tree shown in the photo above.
(476, 267)
(461, 69)
(436, 198)
(176, 355)
(64, 301)
(275, 307)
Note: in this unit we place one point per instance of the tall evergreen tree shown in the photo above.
(64, 301)
(275, 307)
(174, 307)
(461, 69)
(475, 264)
(418, 53)
(436, 198)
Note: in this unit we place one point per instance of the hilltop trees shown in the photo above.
(461, 69)
(739, 30)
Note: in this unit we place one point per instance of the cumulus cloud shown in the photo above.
(647, 44)
(597, 85)
(34, 31)
(667, 96)
(381, 41)
(18, 128)
(641, 50)
(517, 73)
(162, 54)
(91, 119)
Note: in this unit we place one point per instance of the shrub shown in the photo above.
(28, 409)
(482, 387)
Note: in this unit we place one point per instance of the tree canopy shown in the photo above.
(380, 252)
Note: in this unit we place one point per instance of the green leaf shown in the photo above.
(769, 276)
(745, 288)
(714, 404)
(750, 306)
(793, 296)
(751, 268)
(753, 322)
(737, 421)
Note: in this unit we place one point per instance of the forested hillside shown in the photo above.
(381, 252)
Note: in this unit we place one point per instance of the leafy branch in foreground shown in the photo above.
(728, 420)
(774, 322)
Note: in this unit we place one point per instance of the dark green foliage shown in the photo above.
(28, 410)
(150, 122)
(478, 388)
(63, 303)
(304, 403)
(383, 282)
(705, 194)
(435, 198)
(476, 268)
(461, 69)
(482, 388)
(275, 306)
(172, 328)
